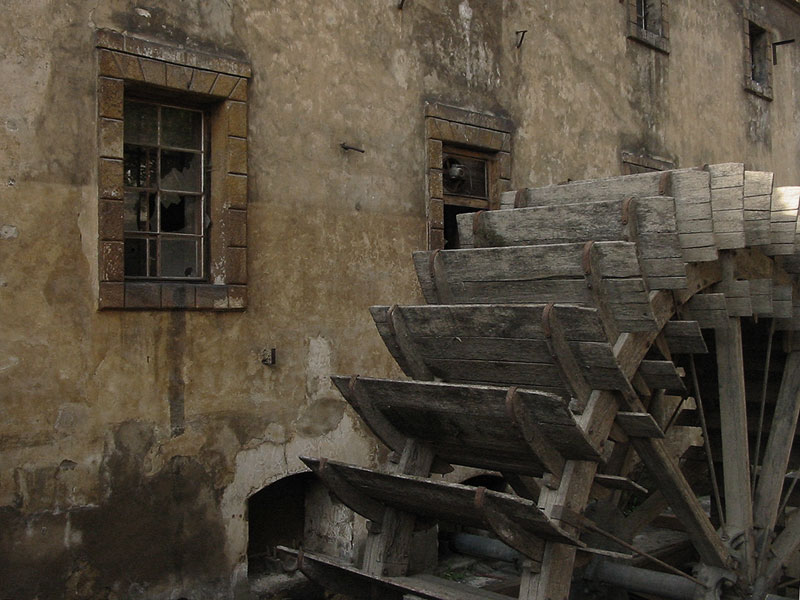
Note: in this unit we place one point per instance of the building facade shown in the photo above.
(200, 200)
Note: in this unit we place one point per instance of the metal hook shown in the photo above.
(346, 146)
(521, 36)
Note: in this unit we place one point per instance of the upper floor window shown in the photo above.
(648, 23)
(757, 58)
(172, 176)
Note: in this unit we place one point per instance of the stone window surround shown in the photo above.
(657, 41)
(125, 61)
(764, 90)
(447, 125)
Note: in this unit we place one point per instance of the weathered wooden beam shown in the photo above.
(618, 482)
(639, 424)
(779, 447)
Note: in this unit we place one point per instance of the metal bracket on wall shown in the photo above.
(521, 36)
(346, 146)
(775, 49)
(400, 4)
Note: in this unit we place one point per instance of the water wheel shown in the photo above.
(622, 352)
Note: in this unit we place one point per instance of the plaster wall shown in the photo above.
(100, 496)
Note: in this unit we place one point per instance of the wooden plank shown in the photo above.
(757, 206)
(733, 422)
(709, 310)
(783, 221)
(782, 549)
(662, 375)
(343, 578)
(726, 175)
(779, 445)
(617, 482)
(639, 424)
(737, 297)
(757, 183)
(685, 337)
(534, 435)
(448, 501)
(593, 190)
(572, 373)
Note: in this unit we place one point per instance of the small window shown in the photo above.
(164, 184)
(648, 24)
(758, 66)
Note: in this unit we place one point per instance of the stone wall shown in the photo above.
(130, 440)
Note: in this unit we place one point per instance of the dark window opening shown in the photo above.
(165, 185)
(451, 239)
(758, 53)
(465, 175)
(276, 517)
(496, 483)
(648, 15)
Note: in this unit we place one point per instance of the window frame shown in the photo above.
(654, 31)
(761, 88)
(169, 75)
(474, 134)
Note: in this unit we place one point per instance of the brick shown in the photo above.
(202, 81)
(240, 91)
(110, 138)
(131, 68)
(108, 65)
(457, 133)
(459, 115)
(142, 295)
(177, 295)
(236, 265)
(436, 239)
(237, 155)
(237, 296)
(112, 261)
(435, 184)
(155, 51)
(109, 179)
(237, 118)
(505, 144)
(211, 296)
(110, 223)
(434, 154)
(236, 191)
(154, 71)
(436, 213)
(110, 95)
(112, 295)
(504, 164)
(178, 77)
(223, 86)
(105, 38)
(437, 129)
(236, 228)
(218, 64)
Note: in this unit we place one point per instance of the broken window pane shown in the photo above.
(180, 171)
(180, 213)
(140, 211)
(140, 166)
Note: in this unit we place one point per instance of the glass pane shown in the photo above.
(153, 257)
(180, 171)
(180, 213)
(135, 257)
(179, 258)
(140, 166)
(140, 211)
(182, 128)
(141, 123)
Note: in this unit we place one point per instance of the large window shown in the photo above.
(172, 177)
(164, 172)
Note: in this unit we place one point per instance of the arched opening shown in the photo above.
(276, 516)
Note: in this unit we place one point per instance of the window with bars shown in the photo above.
(757, 58)
(164, 186)
(648, 23)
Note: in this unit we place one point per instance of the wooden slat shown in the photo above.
(691, 190)
(779, 446)
(757, 203)
(685, 337)
(662, 375)
(783, 221)
(709, 310)
(470, 425)
(534, 435)
(617, 482)
(592, 190)
(449, 502)
(737, 297)
(345, 579)
(639, 424)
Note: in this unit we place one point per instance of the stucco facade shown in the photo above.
(131, 439)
